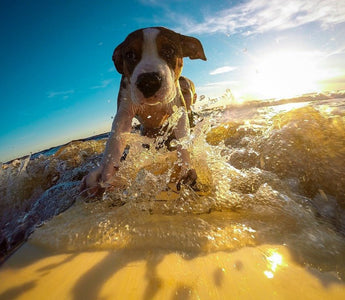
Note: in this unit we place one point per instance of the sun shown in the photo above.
(285, 74)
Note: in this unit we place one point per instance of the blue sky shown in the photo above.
(58, 81)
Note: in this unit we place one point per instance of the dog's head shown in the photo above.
(151, 59)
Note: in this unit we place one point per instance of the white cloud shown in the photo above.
(65, 94)
(154, 3)
(215, 89)
(256, 16)
(222, 83)
(149, 2)
(103, 84)
(222, 70)
(336, 51)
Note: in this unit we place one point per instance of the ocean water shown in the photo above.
(267, 174)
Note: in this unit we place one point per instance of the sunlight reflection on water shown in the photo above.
(264, 177)
(254, 189)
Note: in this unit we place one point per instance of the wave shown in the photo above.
(266, 174)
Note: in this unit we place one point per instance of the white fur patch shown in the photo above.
(152, 62)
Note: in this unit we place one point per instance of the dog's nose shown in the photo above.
(149, 83)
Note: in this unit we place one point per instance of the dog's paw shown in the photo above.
(90, 186)
(188, 178)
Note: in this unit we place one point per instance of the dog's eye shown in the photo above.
(131, 56)
(168, 52)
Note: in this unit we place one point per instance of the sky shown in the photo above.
(58, 82)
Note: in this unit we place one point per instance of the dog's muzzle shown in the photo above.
(149, 83)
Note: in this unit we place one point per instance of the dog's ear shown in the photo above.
(192, 48)
(118, 58)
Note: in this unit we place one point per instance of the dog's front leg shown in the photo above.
(116, 143)
(187, 174)
(94, 183)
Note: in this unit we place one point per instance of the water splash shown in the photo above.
(263, 178)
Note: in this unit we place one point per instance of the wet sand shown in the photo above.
(264, 272)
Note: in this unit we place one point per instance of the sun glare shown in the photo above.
(274, 260)
(285, 74)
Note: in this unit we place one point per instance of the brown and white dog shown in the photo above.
(150, 61)
(188, 91)
(189, 95)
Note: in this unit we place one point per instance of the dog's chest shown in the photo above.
(153, 116)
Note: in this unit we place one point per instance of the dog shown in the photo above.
(189, 95)
(150, 61)
(188, 91)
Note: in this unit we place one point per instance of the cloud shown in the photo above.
(222, 70)
(257, 16)
(154, 3)
(65, 94)
(336, 51)
(221, 83)
(213, 89)
(150, 2)
(103, 84)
